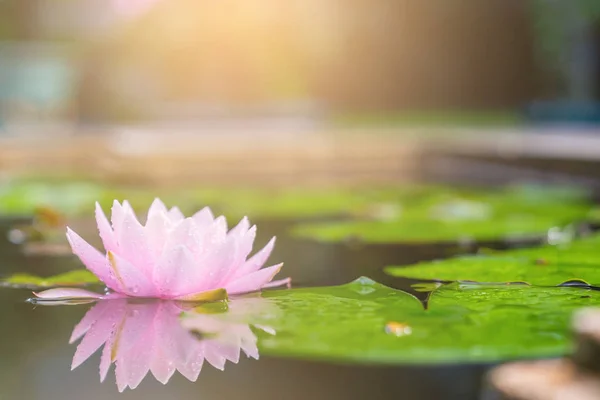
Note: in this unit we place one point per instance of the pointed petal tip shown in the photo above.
(158, 203)
(98, 209)
(71, 234)
(77, 361)
(277, 268)
(287, 282)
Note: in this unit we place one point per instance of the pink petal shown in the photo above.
(213, 269)
(92, 259)
(229, 351)
(213, 353)
(174, 272)
(218, 230)
(94, 314)
(156, 231)
(204, 217)
(256, 262)
(193, 365)
(133, 281)
(177, 346)
(175, 214)
(99, 333)
(127, 209)
(106, 233)
(247, 340)
(163, 363)
(211, 237)
(247, 241)
(121, 374)
(244, 238)
(133, 244)
(241, 228)
(243, 247)
(266, 329)
(118, 213)
(67, 293)
(116, 216)
(135, 344)
(106, 357)
(254, 281)
(161, 367)
(211, 261)
(250, 350)
(156, 208)
(185, 233)
(137, 360)
(282, 282)
(138, 323)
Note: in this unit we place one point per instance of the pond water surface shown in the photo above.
(36, 355)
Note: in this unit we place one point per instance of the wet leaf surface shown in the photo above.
(80, 277)
(367, 322)
(547, 265)
(453, 215)
(29, 197)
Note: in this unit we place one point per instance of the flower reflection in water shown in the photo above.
(164, 336)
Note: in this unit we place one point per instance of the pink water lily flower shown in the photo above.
(172, 257)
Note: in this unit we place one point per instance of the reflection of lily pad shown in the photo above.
(80, 277)
(547, 265)
(480, 323)
(454, 216)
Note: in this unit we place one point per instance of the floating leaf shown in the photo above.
(546, 265)
(292, 203)
(451, 216)
(30, 197)
(364, 321)
(414, 202)
(80, 277)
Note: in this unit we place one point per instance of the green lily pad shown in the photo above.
(67, 197)
(364, 321)
(385, 213)
(80, 277)
(76, 198)
(546, 265)
(452, 216)
(284, 204)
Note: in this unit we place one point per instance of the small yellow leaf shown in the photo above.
(208, 296)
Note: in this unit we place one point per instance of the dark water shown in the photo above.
(35, 356)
